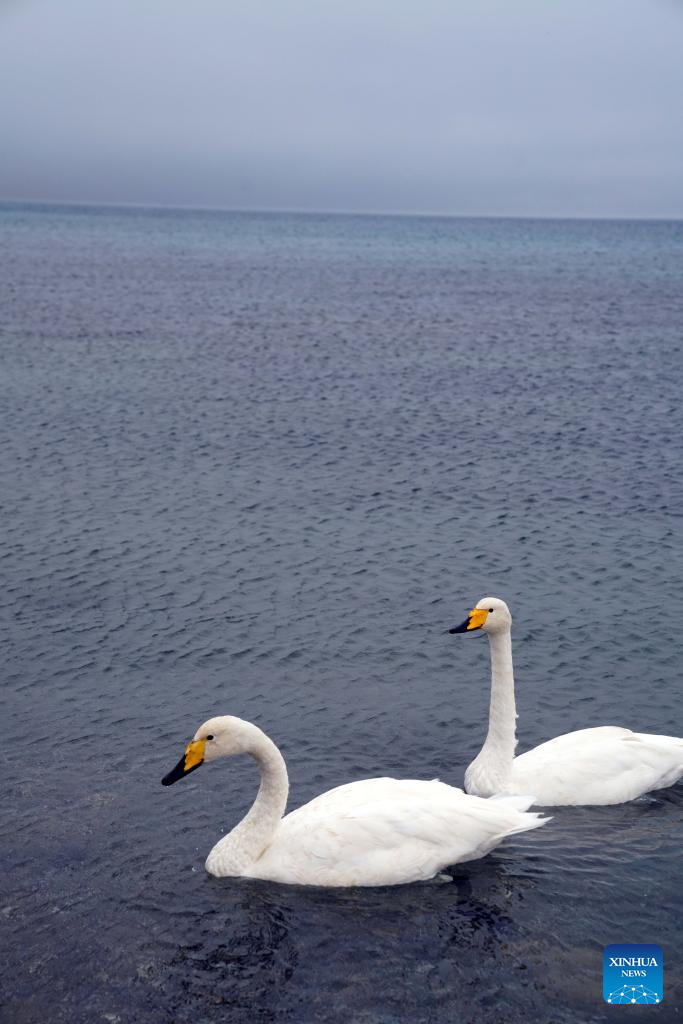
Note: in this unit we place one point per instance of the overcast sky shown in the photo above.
(530, 107)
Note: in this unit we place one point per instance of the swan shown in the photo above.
(373, 832)
(603, 765)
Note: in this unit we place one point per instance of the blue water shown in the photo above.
(257, 465)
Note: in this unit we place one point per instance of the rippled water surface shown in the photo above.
(257, 464)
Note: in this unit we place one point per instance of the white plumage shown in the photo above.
(603, 765)
(385, 832)
(373, 832)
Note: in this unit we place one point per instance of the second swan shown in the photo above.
(603, 765)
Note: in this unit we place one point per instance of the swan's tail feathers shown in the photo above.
(535, 820)
(531, 819)
(520, 803)
(526, 819)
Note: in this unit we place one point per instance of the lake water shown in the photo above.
(257, 465)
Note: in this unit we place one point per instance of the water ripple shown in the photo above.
(258, 465)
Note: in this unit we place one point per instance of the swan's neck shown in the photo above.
(491, 771)
(247, 841)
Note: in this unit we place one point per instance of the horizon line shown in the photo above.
(299, 212)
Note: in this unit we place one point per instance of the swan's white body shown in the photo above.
(604, 765)
(374, 832)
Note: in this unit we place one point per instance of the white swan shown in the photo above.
(604, 765)
(375, 832)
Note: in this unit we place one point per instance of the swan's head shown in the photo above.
(219, 737)
(490, 614)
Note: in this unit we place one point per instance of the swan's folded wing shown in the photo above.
(605, 765)
(383, 831)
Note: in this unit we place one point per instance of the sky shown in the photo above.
(465, 107)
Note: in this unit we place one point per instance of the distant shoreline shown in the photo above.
(87, 204)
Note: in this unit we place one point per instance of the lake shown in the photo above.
(257, 464)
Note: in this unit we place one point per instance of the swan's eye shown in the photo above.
(209, 737)
(490, 610)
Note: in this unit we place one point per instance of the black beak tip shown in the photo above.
(462, 628)
(179, 772)
(175, 773)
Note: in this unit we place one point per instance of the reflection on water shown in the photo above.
(257, 465)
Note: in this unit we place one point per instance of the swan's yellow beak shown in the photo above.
(191, 759)
(475, 620)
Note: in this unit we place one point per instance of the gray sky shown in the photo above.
(538, 107)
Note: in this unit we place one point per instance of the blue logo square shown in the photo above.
(633, 973)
